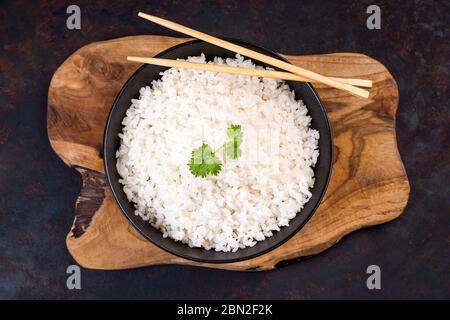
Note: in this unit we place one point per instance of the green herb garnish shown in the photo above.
(235, 135)
(204, 160)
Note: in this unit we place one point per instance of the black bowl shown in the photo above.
(142, 77)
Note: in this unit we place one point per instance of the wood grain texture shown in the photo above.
(368, 184)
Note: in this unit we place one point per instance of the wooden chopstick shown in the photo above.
(312, 76)
(238, 70)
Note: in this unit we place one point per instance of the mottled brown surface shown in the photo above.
(368, 185)
(90, 199)
(38, 191)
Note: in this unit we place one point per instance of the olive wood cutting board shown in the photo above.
(368, 184)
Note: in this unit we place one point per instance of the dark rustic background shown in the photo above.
(37, 191)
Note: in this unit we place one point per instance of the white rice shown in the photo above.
(252, 196)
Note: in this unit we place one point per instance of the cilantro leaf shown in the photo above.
(235, 135)
(234, 132)
(204, 161)
(232, 149)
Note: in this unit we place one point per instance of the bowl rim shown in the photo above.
(226, 260)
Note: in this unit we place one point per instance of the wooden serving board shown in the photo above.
(368, 184)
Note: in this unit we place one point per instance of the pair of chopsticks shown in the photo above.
(295, 73)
